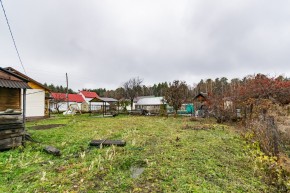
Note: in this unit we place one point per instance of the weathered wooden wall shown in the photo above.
(11, 131)
(10, 99)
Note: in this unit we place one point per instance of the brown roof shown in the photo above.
(201, 94)
(26, 77)
(13, 84)
(11, 80)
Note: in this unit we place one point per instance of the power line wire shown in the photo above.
(12, 37)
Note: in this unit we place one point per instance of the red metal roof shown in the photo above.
(71, 97)
(89, 94)
(75, 98)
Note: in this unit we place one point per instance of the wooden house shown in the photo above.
(37, 104)
(201, 103)
(12, 109)
(88, 96)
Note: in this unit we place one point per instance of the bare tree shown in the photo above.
(132, 88)
(176, 94)
(59, 99)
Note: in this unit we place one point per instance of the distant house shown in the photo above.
(12, 109)
(60, 103)
(88, 96)
(201, 103)
(151, 104)
(135, 100)
(36, 102)
(228, 103)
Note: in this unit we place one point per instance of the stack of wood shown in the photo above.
(11, 131)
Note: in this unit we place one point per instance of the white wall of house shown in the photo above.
(128, 107)
(63, 106)
(150, 108)
(35, 102)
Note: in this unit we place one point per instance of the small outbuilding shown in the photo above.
(150, 104)
(12, 109)
(37, 104)
(201, 103)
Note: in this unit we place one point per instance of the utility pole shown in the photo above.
(67, 91)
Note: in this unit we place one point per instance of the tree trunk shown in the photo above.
(175, 115)
(132, 100)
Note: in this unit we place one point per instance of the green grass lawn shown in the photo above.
(174, 159)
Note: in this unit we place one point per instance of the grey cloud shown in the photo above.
(104, 43)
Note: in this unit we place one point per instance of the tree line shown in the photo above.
(258, 85)
(58, 89)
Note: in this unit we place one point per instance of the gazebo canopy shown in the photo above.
(104, 101)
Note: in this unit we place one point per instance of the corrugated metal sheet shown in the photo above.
(13, 84)
(71, 97)
(108, 99)
(103, 99)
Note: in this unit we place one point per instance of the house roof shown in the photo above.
(11, 80)
(151, 101)
(13, 84)
(26, 77)
(136, 99)
(71, 97)
(201, 94)
(89, 94)
(103, 99)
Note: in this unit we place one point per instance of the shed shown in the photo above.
(12, 109)
(37, 105)
(151, 104)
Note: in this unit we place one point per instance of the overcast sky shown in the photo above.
(103, 43)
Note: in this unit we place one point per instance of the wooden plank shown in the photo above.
(10, 143)
(11, 140)
(4, 122)
(11, 116)
(11, 126)
(11, 131)
(9, 98)
(107, 142)
(11, 135)
(10, 119)
(5, 75)
(9, 146)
